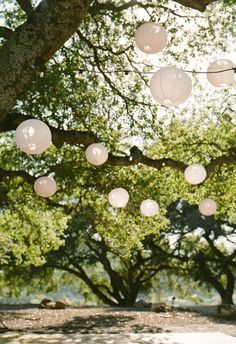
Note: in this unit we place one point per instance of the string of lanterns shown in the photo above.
(34, 137)
(168, 86)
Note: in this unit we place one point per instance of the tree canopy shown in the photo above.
(73, 64)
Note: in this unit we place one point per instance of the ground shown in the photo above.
(112, 320)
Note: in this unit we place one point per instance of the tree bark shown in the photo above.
(26, 6)
(34, 43)
(199, 5)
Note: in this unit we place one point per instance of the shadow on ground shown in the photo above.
(85, 339)
(101, 324)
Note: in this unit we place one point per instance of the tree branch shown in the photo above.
(111, 84)
(137, 157)
(199, 5)
(26, 6)
(81, 273)
(73, 137)
(33, 43)
(115, 279)
(224, 159)
(11, 174)
(109, 6)
(5, 32)
(59, 137)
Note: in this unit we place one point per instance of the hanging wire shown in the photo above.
(213, 72)
(152, 72)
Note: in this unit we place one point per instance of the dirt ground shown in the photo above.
(111, 320)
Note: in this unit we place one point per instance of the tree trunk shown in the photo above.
(130, 298)
(226, 298)
(226, 293)
(34, 43)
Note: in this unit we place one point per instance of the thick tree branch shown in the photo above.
(199, 5)
(26, 6)
(73, 137)
(115, 279)
(109, 6)
(224, 159)
(12, 174)
(137, 157)
(59, 137)
(81, 273)
(5, 32)
(32, 44)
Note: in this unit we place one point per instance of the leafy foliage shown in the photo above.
(97, 83)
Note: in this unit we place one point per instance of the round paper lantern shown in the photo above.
(222, 79)
(149, 207)
(151, 38)
(96, 154)
(207, 207)
(118, 198)
(170, 86)
(195, 174)
(45, 186)
(33, 136)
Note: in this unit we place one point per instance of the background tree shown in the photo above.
(206, 247)
(85, 254)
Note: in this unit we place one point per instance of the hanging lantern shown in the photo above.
(151, 38)
(118, 198)
(96, 154)
(45, 186)
(149, 207)
(195, 174)
(33, 136)
(222, 79)
(207, 207)
(170, 86)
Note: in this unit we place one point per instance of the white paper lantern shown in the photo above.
(222, 79)
(195, 174)
(118, 198)
(149, 207)
(96, 154)
(33, 136)
(45, 186)
(170, 86)
(207, 207)
(151, 38)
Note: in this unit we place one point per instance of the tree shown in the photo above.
(205, 247)
(86, 94)
(117, 279)
(114, 278)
